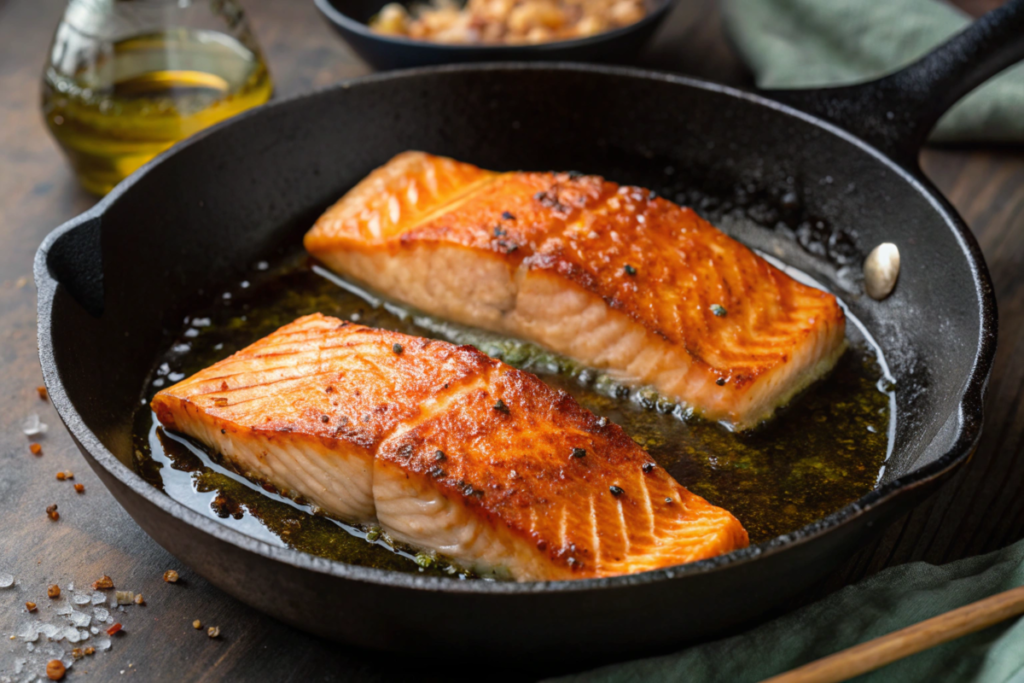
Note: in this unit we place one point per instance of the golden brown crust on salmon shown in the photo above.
(448, 449)
(556, 257)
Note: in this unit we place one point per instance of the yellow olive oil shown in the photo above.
(146, 93)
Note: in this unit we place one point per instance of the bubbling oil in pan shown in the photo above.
(826, 450)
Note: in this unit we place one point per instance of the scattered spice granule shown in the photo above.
(51, 512)
(60, 476)
(68, 474)
(80, 488)
(77, 653)
(43, 393)
(55, 670)
(90, 651)
(104, 583)
(30, 606)
(213, 631)
(35, 449)
(114, 629)
(124, 597)
(171, 576)
(53, 591)
(197, 624)
(139, 600)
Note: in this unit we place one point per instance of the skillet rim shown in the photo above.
(969, 412)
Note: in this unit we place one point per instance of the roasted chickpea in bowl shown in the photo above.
(396, 35)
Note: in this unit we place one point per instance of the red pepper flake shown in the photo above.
(114, 629)
(43, 393)
(80, 488)
(104, 583)
(35, 449)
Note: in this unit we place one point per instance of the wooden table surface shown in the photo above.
(978, 511)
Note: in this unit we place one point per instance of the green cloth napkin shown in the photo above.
(815, 43)
(890, 600)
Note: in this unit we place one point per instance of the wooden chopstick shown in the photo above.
(876, 653)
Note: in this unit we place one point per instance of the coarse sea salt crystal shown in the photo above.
(80, 619)
(28, 632)
(103, 643)
(83, 635)
(81, 599)
(51, 631)
(6, 580)
(19, 664)
(64, 609)
(71, 634)
(98, 598)
(100, 614)
(32, 426)
(94, 630)
(30, 647)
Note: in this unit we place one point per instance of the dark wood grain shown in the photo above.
(978, 511)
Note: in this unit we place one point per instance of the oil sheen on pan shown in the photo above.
(824, 451)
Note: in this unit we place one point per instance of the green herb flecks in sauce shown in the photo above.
(820, 454)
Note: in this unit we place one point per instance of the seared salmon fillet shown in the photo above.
(447, 450)
(612, 276)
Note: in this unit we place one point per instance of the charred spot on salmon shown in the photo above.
(406, 451)
(498, 232)
(500, 406)
(397, 348)
(579, 452)
(437, 472)
(668, 500)
(223, 431)
(720, 381)
(507, 216)
(325, 419)
(719, 310)
(630, 270)
(616, 490)
(647, 467)
(439, 455)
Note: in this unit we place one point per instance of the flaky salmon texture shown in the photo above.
(612, 276)
(447, 450)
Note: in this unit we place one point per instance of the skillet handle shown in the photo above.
(72, 256)
(897, 112)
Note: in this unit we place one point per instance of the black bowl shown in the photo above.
(350, 18)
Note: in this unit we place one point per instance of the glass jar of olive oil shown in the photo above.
(126, 79)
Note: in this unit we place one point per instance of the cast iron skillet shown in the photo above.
(115, 282)
(350, 18)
